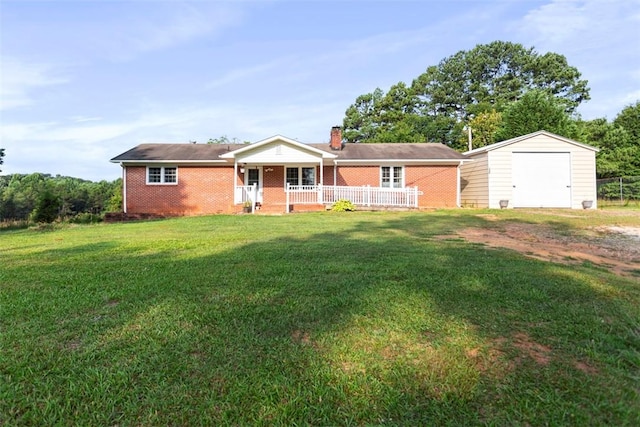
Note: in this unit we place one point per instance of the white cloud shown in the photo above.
(19, 79)
(82, 119)
(82, 149)
(243, 73)
(584, 25)
(116, 31)
(556, 22)
(600, 38)
(182, 24)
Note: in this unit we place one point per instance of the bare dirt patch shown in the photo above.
(614, 248)
(526, 350)
(541, 354)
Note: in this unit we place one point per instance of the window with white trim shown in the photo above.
(162, 175)
(391, 177)
(253, 176)
(301, 176)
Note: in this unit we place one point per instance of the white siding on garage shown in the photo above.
(474, 185)
(500, 187)
(583, 171)
(499, 179)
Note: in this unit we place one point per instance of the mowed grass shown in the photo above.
(311, 319)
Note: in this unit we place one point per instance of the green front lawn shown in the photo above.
(311, 319)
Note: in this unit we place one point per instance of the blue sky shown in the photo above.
(83, 81)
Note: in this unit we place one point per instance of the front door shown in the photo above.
(252, 176)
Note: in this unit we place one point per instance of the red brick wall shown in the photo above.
(358, 175)
(438, 183)
(200, 190)
(273, 185)
(207, 190)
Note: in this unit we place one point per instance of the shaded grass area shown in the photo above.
(322, 319)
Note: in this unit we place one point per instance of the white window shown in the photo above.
(301, 176)
(162, 175)
(391, 177)
(253, 177)
(293, 175)
(308, 176)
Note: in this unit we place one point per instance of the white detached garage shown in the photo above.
(539, 170)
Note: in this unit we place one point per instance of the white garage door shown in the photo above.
(541, 180)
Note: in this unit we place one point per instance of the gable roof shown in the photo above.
(350, 153)
(525, 137)
(267, 141)
(176, 153)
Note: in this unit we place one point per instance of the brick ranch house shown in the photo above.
(279, 174)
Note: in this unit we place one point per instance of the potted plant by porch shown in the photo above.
(246, 206)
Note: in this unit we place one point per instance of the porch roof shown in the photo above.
(261, 146)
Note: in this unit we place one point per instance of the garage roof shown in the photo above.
(525, 137)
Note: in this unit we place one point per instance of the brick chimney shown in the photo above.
(336, 138)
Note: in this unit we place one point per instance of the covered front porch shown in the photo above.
(279, 174)
(265, 169)
(321, 196)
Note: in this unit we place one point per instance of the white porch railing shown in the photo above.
(247, 193)
(363, 196)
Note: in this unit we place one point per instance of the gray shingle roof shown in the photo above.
(390, 151)
(176, 152)
(362, 152)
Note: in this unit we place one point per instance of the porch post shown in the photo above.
(335, 180)
(287, 193)
(254, 197)
(320, 191)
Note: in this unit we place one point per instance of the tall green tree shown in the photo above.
(362, 117)
(21, 194)
(1, 157)
(446, 97)
(536, 110)
(629, 120)
(484, 128)
(494, 75)
(47, 207)
(619, 142)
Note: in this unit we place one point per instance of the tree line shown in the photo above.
(41, 197)
(495, 92)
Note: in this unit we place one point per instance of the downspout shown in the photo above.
(124, 187)
(458, 196)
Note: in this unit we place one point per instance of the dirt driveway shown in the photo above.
(614, 247)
